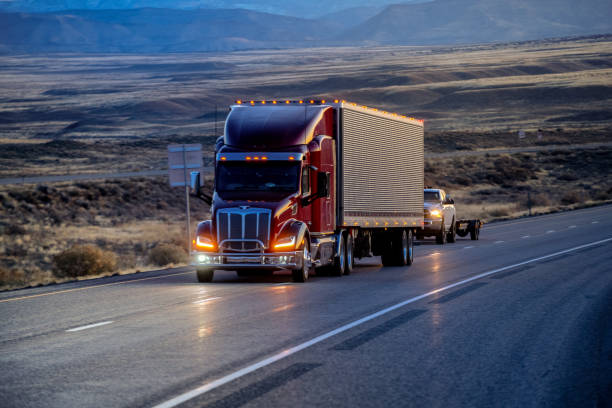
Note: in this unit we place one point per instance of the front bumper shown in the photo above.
(431, 226)
(241, 261)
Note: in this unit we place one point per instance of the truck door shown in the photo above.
(323, 208)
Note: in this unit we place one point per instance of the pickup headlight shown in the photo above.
(287, 243)
(204, 243)
(435, 213)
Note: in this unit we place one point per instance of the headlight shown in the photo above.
(204, 243)
(435, 213)
(285, 243)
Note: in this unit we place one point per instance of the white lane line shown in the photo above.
(550, 231)
(594, 222)
(196, 392)
(498, 242)
(199, 302)
(468, 247)
(89, 326)
(571, 227)
(526, 236)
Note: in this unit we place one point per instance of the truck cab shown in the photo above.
(273, 172)
(439, 216)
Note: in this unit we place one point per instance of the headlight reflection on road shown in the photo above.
(204, 331)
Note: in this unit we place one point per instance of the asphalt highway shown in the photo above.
(521, 318)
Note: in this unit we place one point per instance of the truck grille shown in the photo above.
(243, 229)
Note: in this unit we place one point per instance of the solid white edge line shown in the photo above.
(89, 326)
(196, 392)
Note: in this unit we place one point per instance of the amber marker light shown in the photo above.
(239, 102)
(287, 242)
(223, 158)
(263, 102)
(264, 158)
(301, 102)
(287, 102)
(311, 101)
(273, 102)
(291, 158)
(256, 158)
(248, 157)
(323, 101)
(336, 101)
(252, 102)
(205, 243)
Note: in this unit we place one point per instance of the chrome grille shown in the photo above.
(243, 229)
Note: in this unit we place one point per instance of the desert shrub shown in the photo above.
(539, 200)
(499, 212)
(572, 197)
(82, 260)
(165, 254)
(11, 277)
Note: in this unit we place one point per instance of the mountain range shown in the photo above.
(150, 30)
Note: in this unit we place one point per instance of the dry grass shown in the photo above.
(126, 218)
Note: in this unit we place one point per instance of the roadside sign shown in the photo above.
(183, 159)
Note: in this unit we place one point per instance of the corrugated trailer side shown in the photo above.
(381, 162)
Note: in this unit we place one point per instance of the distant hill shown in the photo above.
(471, 21)
(295, 8)
(152, 30)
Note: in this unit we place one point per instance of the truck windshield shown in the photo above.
(271, 176)
(432, 196)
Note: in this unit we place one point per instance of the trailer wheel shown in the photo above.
(339, 265)
(301, 274)
(349, 258)
(474, 231)
(451, 234)
(205, 274)
(441, 235)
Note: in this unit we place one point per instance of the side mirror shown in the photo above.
(323, 184)
(195, 182)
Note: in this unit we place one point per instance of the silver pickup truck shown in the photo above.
(439, 215)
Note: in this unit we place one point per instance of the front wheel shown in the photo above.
(205, 274)
(441, 235)
(301, 274)
(451, 234)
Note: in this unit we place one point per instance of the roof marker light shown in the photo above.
(311, 101)
(223, 158)
(273, 102)
(239, 102)
(252, 102)
(263, 102)
(301, 101)
(287, 102)
(248, 157)
(336, 101)
(256, 158)
(291, 158)
(322, 101)
(264, 158)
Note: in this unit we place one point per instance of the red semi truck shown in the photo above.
(312, 184)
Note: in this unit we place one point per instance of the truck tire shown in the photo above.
(474, 231)
(410, 258)
(349, 258)
(205, 274)
(441, 235)
(301, 274)
(451, 234)
(397, 251)
(339, 265)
